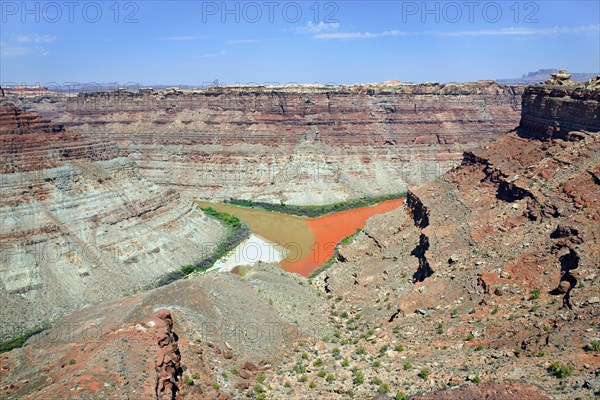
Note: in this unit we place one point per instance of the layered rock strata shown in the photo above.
(297, 144)
(80, 224)
(497, 260)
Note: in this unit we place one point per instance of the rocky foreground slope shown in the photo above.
(485, 284)
(304, 144)
(80, 225)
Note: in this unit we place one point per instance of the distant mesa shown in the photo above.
(543, 75)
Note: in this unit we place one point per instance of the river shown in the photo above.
(306, 243)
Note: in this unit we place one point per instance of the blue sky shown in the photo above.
(195, 42)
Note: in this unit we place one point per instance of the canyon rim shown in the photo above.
(373, 207)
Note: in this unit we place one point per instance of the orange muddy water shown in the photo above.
(307, 242)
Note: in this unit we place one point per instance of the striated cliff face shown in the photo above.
(498, 259)
(299, 145)
(489, 273)
(80, 224)
(551, 112)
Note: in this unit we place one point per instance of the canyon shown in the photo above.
(98, 187)
(484, 282)
(305, 144)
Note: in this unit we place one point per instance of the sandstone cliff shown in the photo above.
(491, 272)
(298, 144)
(80, 224)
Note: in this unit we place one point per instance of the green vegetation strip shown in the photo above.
(316, 211)
(237, 232)
(347, 240)
(19, 340)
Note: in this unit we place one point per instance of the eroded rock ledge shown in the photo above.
(282, 143)
(80, 224)
(510, 243)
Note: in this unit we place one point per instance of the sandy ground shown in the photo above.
(249, 252)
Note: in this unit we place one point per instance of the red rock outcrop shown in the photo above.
(490, 391)
(169, 358)
(496, 260)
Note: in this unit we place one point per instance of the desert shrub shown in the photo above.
(561, 370)
(593, 346)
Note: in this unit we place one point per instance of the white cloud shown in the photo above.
(320, 27)
(359, 35)
(20, 51)
(526, 31)
(242, 41)
(590, 29)
(213, 55)
(35, 38)
(180, 38)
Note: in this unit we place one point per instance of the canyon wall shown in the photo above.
(488, 274)
(80, 224)
(299, 144)
(498, 258)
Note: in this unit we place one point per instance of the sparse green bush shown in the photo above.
(593, 346)
(561, 370)
(407, 366)
(400, 396)
(424, 373)
(196, 375)
(399, 347)
(322, 373)
(476, 379)
(260, 378)
(535, 294)
(19, 340)
(346, 362)
(361, 351)
(72, 361)
(440, 328)
(479, 347)
(330, 378)
(187, 380)
(303, 378)
(318, 363)
(383, 350)
(300, 368)
(359, 378)
(384, 388)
